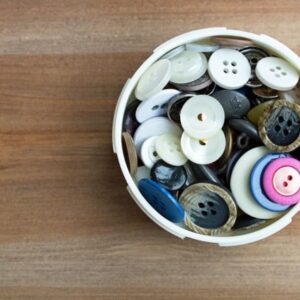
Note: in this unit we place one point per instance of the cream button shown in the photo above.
(202, 116)
(286, 181)
(149, 154)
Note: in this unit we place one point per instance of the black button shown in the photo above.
(246, 222)
(170, 177)
(130, 124)
(244, 126)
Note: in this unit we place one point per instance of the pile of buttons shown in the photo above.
(212, 137)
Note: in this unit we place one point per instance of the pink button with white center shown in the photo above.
(281, 180)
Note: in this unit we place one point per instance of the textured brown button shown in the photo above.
(129, 152)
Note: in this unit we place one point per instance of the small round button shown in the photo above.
(154, 79)
(202, 116)
(161, 200)
(169, 149)
(203, 151)
(188, 66)
(209, 208)
(197, 85)
(277, 73)
(229, 68)
(155, 106)
(281, 180)
(149, 154)
(130, 152)
(170, 177)
(130, 123)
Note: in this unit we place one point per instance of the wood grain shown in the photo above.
(68, 228)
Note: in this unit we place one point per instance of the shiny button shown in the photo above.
(229, 69)
(286, 185)
(148, 153)
(130, 123)
(197, 85)
(245, 127)
(200, 47)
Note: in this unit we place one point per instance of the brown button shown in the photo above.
(129, 152)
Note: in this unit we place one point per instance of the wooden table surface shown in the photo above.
(68, 228)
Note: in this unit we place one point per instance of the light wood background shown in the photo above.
(68, 228)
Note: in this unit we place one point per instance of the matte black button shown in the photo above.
(130, 124)
(170, 177)
(231, 163)
(199, 84)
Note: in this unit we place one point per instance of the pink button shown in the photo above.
(281, 180)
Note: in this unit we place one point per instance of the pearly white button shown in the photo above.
(276, 73)
(154, 79)
(188, 66)
(202, 116)
(149, 154)
(203, 151)
(229, 68)
(169, 149)
(156, 105)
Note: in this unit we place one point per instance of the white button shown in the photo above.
(203, 151)
(149, 154)
(152, 127)
(229, 68)
(169, 149)
(188, 66)
(202, 116)
(142, 173)
(156, 105)
(202, 47)
(154, 79)
(276, 73)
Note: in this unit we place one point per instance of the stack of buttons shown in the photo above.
(212, 137)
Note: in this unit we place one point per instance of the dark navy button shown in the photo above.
(235, 104)
(245, 222)
(203, 173)
(199, 84)
(170, 177)
(161, 200)
(242, 141)
(130, 124)
(244, 126)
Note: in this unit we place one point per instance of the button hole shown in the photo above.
(204, 213)
(278, 67)
(202, 142)
(213, 212)
(201, 117)
(272, 70)
(225, 70)
(201, 205)
(234, 71)
(277, 128)
(233, 63)
(225, 62)
(290, 177)
(285, 184)
(155, 107)
(163, 106)
(289, 123)
(280, 119)
(285, 132)
(210, 203)
(283, 73)
(254, 60)
(155, 154)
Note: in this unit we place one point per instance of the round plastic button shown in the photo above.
(209, 208)
(155, 106)
(188, 66)
(154, 126)
(161, 200)
(205, 48)
(149, 154)
(229, 68)
(254, 114)
(197, 85)
(170, 177)
(130, 152)
(244, 127)
(256, 187)
(169, 149)
(203, 151)
(154, 79)
(174, 52)
(202, 116)
(276, 73)
(281, 181)
(239, 184)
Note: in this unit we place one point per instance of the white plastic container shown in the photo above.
(240, 237)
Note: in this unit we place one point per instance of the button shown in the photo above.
(170, 54)
(154, 126)
(142, 172)
(169, 149)
(278, 126)
(265, 93)
(235, 104)
(205, 48)
(203, 151)
(202, 116)
(204, 173)
(130, 124)
(246, 222)
(229, 69)
(161, 200)
(154, 79)
(188, 66)
(277, 73)
(239, 184)
(254, 114)
(155, 106)
(281, 181)
(175, 105)
(254, 55)
(231, 163)
(129, 152)
(170, 177)
(197, 85)
(256, 187)
(209, 208)
(242, 141)
(244, 126)
(232, 42)
(149, 154)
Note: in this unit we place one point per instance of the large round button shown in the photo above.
(202, 116)
(169, 149)
(154, 79)
(170, 177)
(277, 73)
(239, 184)
(209, 208)
(229, 68)
(149, 154)
(155, 106)
(281, 180)
(154, 126)
(188, 66)
(130, 152)
(203, 151)
(161, 200)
